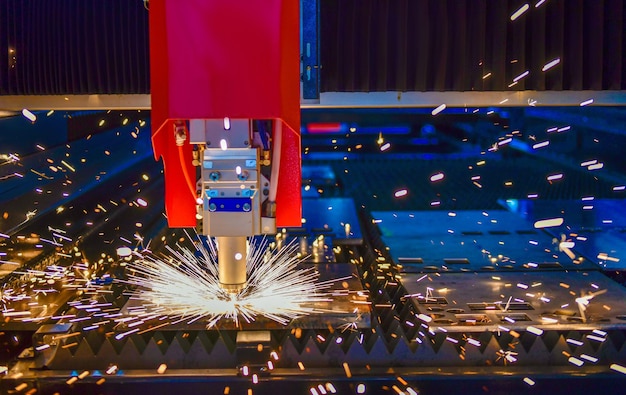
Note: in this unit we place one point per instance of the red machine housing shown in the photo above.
(211, 59)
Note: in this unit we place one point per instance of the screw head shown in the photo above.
(214, 175)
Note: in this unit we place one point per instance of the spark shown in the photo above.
(505, 141)
(575, 342)
(575, 361)
(68, 166)
(29, 115)
(437, 177)
(186, 285)
(554, 177)
(424, 318)
(520, 11)
(438, 109)
(595, 166)
(584, 301)
(589, 163)
(618, 368)
(400, 193)
(519, 77)
(586, 102)
(551, 64)
(507, 356)
(548, 223)
(346, 369)
(589, 358)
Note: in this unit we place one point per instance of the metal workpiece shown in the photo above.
(518, 301)
(232, 254)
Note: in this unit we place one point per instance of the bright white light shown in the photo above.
(535, 331)
(548, 223)
(142, 202)
(586, 102)
(554, 177)
(541, 145)
(439, 109)
(186, 287)
(505, 141)
(595, 166)
(124, 251)
(575, 361)
(226, 123)
(238, 256)
(223, 144)
(424, 317)
(238, 170)
(437, 177)
(519, 77)
(589, 162)
(29, 115)
(618, 368)
(360, 389)
(385, 147)
(551, 64)
(589, 358)
(400, 193)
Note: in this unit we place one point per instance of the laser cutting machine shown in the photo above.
(226, 105)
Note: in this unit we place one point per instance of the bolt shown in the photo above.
(214, 175)
(243, 175)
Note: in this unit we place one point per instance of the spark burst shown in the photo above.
(185, 285)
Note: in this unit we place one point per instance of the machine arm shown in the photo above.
(225, 106)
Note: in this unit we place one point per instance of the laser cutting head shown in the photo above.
(235, 188)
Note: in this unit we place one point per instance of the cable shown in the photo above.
(181, 136)
(190, 183)
(276, 148)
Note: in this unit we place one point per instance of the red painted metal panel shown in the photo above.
(216, 59)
